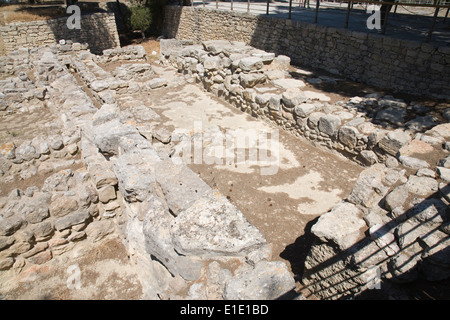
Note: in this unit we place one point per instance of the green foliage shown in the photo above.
(141, 19)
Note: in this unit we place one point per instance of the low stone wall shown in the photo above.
(405, 66)
(98, 30)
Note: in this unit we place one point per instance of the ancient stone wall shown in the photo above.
(186, 239)
(98, 30)
(406, 66)
(366, 129)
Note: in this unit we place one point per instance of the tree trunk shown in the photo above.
(143, 35)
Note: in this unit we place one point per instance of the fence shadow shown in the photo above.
(96, 30)
(440, 289)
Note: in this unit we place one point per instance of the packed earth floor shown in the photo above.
(309, 180)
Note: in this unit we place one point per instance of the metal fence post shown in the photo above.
(248, 6)
(267, 10)
(317, 10)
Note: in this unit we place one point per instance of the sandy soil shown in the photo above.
(87, 272)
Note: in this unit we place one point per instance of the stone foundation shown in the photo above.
(401, 65)
(98, 30)
(393, 228)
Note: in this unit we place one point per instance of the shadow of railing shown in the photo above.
(348, 255)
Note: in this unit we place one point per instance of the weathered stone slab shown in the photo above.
(135, 175)
(268, 280)
(413, 163)
(99, 229)
(102, 175)
(288, 83)
(63, 206)
(422, 185)
(10, 225)
(71, 220)
(397, 197)
(106, 113)
(348, 136)
(394, 115)
(329, 124)
(250, 64)
(292, 97)
(305, 109)
(212, 226)
(393, 141)
(156, 229)
(106, 136)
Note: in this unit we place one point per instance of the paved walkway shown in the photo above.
(403, 24)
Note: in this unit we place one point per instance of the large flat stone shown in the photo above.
(394, 115)
(212, 226)
(329, 124)
(288, 83)
(393, 141)
(135, 175)
(71, 220)
(251, 64)
(422, 185)
(106, 135)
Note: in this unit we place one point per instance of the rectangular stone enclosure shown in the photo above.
(98, 30)
(403, 65)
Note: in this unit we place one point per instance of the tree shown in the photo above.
(141, 19)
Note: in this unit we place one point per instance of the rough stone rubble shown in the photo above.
(394, 226)
(103, 176)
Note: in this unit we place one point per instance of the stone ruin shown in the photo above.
(108, 172)
(103, 176)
